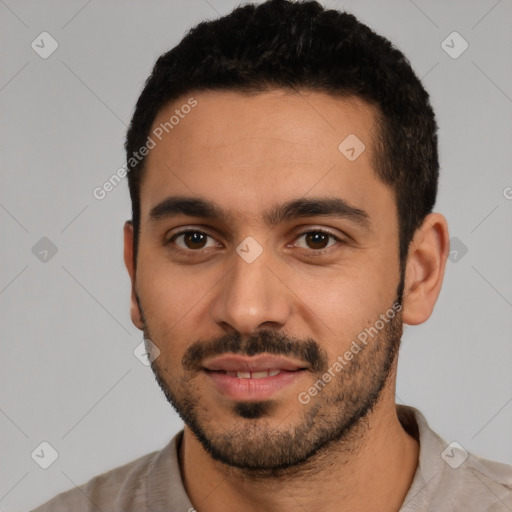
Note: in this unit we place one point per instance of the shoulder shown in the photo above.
(449, 478)
(479, 482)
(120, 489)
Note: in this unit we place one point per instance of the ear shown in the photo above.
(426, 263)
(128, 261)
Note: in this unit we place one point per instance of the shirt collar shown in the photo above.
(430, 466)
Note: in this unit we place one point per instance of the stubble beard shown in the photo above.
(259, 445)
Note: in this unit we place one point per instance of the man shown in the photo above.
(283, 171)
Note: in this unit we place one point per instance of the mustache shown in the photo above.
(264, 341)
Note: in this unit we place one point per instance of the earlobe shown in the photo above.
(128, 261)
(426, 263)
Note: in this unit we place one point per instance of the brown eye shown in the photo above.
(192, 240)
(317, 239)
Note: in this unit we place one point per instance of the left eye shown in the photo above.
(317, 239)
(192, 240)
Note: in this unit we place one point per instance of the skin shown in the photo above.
(247, 154)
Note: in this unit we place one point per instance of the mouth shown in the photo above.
(243, 365)
(252, 378)
(250, 375)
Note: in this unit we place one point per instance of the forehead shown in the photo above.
(247, 152)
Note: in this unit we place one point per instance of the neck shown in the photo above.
(370, 470)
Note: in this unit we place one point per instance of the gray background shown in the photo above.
(68, 373)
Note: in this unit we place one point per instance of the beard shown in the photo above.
(254, 441)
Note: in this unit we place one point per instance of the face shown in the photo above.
(268, 272)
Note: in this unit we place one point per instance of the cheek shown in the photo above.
(175, 301)
(339, 304)
(167, 290)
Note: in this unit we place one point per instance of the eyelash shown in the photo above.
(303, 233)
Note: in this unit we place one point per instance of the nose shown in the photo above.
(251, 297)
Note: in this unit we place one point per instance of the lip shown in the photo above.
(236, 388)
(236, 363)
(252, 389)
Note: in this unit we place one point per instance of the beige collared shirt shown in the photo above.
(447, 479)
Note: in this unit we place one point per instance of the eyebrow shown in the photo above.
(297, 208)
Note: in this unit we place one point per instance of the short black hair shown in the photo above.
(302, 46)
